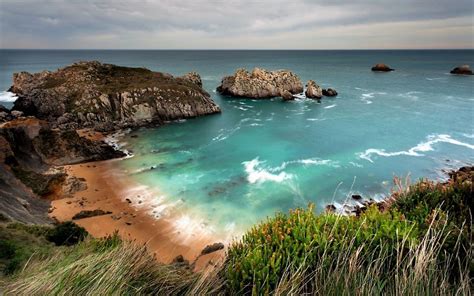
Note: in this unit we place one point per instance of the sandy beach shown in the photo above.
(109, 191)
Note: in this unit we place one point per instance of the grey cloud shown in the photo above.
(64, 23)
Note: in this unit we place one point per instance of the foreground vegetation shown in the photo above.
(419, 242)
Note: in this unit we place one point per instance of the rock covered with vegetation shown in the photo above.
(260, 84)
(108, 97)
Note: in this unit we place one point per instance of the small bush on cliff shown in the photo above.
(67, 233)
(19, 242)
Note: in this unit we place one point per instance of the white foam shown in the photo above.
(415, 151)
(330, 106)
(255, 174)
(306, 162)
(410, 95)
(6, 96)
(365, 97)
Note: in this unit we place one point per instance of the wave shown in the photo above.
(260, 175)
(330, 106)
(6, 96)
(415, 151)
(367, 96)
(306, 162)
(257, 174)
(410, 95)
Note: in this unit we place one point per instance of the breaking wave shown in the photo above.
(256, 173)
(417, 150)
(6, 96)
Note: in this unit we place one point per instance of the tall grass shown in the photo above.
(109, 267)
(417, 271)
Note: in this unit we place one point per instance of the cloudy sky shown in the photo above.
(248, 24)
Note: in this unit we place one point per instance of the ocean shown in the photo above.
(226, 172)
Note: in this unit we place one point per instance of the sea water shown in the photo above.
(231, 170)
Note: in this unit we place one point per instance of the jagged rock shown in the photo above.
(462, 70)
(313, 91)
(330, 92)
(381, 68)
(287, 96)
(193, 77)
(212, 248)
(179, 260)
(330, 208)
(16, 113)
(260, 84)
(356, 196)
(108, 97)
(88, 214)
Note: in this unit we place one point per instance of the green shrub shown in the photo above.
(67, 234)
(301, 240)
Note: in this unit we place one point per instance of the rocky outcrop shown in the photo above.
(260, 84)
(462, 70)
(89, 214)
(382, 68)
(287, 96)
(330, 92)
(28, 149)
(108, 97)
(313, 91)
(193, 77)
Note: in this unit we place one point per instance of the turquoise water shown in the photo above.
(231, 170)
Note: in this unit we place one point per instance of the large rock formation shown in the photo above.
(313, 91)
(260, 84)
(381, 68)
(28, 149)
(108, 97)
(462, 70)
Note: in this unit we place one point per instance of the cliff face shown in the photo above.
(28, 149)
(260, 84)
(108, 97)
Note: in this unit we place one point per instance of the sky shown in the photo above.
(233, 24)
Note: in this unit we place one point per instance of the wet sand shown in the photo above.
(109, 190)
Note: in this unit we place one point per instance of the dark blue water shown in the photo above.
(231, 170)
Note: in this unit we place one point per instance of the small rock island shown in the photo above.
(261, 84)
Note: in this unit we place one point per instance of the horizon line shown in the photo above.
(239, 49)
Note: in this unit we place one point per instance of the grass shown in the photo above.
(109, 267)
(419, 243)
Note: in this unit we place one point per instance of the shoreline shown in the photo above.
(109, 192)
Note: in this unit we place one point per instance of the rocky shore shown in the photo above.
(58, 118)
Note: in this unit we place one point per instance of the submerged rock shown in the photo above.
(462, 70)
(330, 92)
(260, 84)
(382, 68)
(109, 97)
(313, 91)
